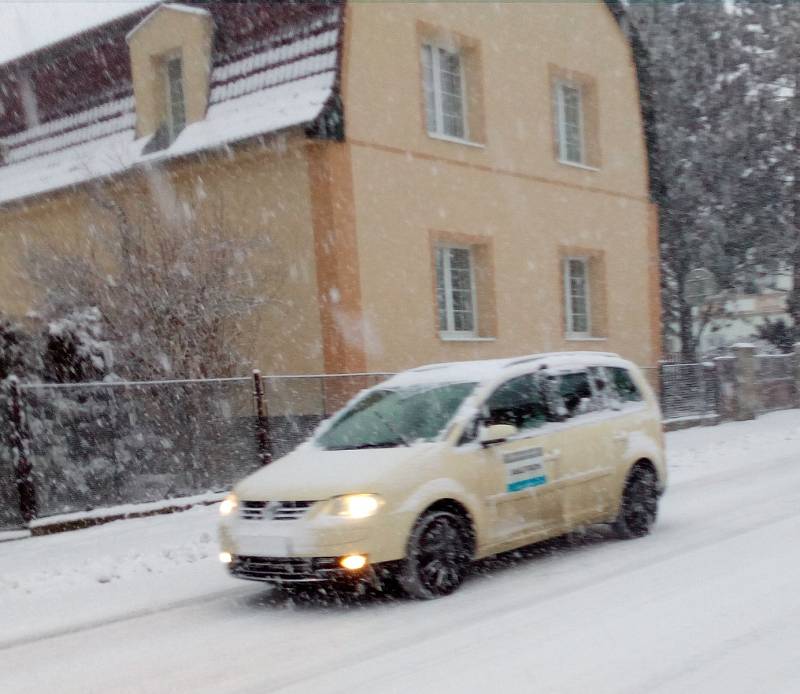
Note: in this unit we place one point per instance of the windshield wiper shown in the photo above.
(391, 428)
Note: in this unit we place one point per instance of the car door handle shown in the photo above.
(555, 454)
(621, 436)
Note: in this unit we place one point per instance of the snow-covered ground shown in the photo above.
(710, 602)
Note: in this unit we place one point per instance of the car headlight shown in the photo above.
(228, 505)
(356, 505)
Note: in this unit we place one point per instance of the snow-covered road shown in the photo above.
(710, 602)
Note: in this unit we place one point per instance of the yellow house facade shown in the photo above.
(438, 181)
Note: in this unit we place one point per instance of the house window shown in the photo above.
(176, 107)
(569, 117)
(445, 106)
(576, 296)
(455, 291)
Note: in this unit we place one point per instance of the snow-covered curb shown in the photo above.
(83, 519)
(6, 535)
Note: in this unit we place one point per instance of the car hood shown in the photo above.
(312, 474)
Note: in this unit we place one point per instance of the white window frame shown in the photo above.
(571, 332)
(438, 111)
(450, 332)
(560, 85)
(172, 132)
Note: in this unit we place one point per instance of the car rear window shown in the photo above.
(624, 385)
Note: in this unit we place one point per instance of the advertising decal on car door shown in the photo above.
(525, 469)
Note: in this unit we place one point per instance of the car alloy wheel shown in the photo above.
(439, 555)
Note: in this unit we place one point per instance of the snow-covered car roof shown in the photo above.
(490, 370)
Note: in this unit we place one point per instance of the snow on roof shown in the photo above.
(168, 6)
(263, 111)
(286, 80)
(108, 147)
(35, 27)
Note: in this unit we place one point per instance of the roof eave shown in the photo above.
(22, 201)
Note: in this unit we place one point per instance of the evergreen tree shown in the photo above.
(726, 117)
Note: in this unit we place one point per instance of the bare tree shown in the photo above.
(172, 279)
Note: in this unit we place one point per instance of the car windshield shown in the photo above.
(386, 418)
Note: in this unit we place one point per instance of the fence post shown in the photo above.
(710, 390)
(726, 389)
(262, 420)
(745, 375)
(796, 362)
(22, 464)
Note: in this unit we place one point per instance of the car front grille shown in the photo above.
(273, 510)
(285, 569)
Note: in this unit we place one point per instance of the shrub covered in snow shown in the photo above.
(75, 350)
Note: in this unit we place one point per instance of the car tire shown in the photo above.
(639, 507)
(439, 555)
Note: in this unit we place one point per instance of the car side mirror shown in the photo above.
(497, 433)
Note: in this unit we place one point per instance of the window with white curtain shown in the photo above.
(576, 296)
(569, 113)
(445, 108)
(455, 291)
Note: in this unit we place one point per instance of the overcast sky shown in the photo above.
(26, 25)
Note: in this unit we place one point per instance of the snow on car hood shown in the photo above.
(313, 474)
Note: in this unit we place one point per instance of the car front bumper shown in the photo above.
(296, 542)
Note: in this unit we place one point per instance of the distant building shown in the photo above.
(444, 181)
(744, 314)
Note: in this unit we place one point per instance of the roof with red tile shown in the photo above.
(274, 65)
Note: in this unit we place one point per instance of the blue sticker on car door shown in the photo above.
(524, 469)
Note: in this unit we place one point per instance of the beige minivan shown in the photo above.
(447, 463)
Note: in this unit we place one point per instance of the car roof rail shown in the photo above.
(549, 355)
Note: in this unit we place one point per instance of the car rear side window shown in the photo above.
(576, 393)
(624, 385)
(519, 402)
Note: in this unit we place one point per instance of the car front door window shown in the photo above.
(520, 402)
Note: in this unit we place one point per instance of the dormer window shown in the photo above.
(170, 52)
(175, 116)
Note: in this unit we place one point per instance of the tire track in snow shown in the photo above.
(129, 616)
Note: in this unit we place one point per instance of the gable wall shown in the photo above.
(508, 195)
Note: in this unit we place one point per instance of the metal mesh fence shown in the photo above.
(688, 390)
(99, 445)
(10, 516)
(775, 381)
(297, 404)
(104, 444)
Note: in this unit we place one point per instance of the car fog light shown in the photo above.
(353, 562)
(225, 557)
